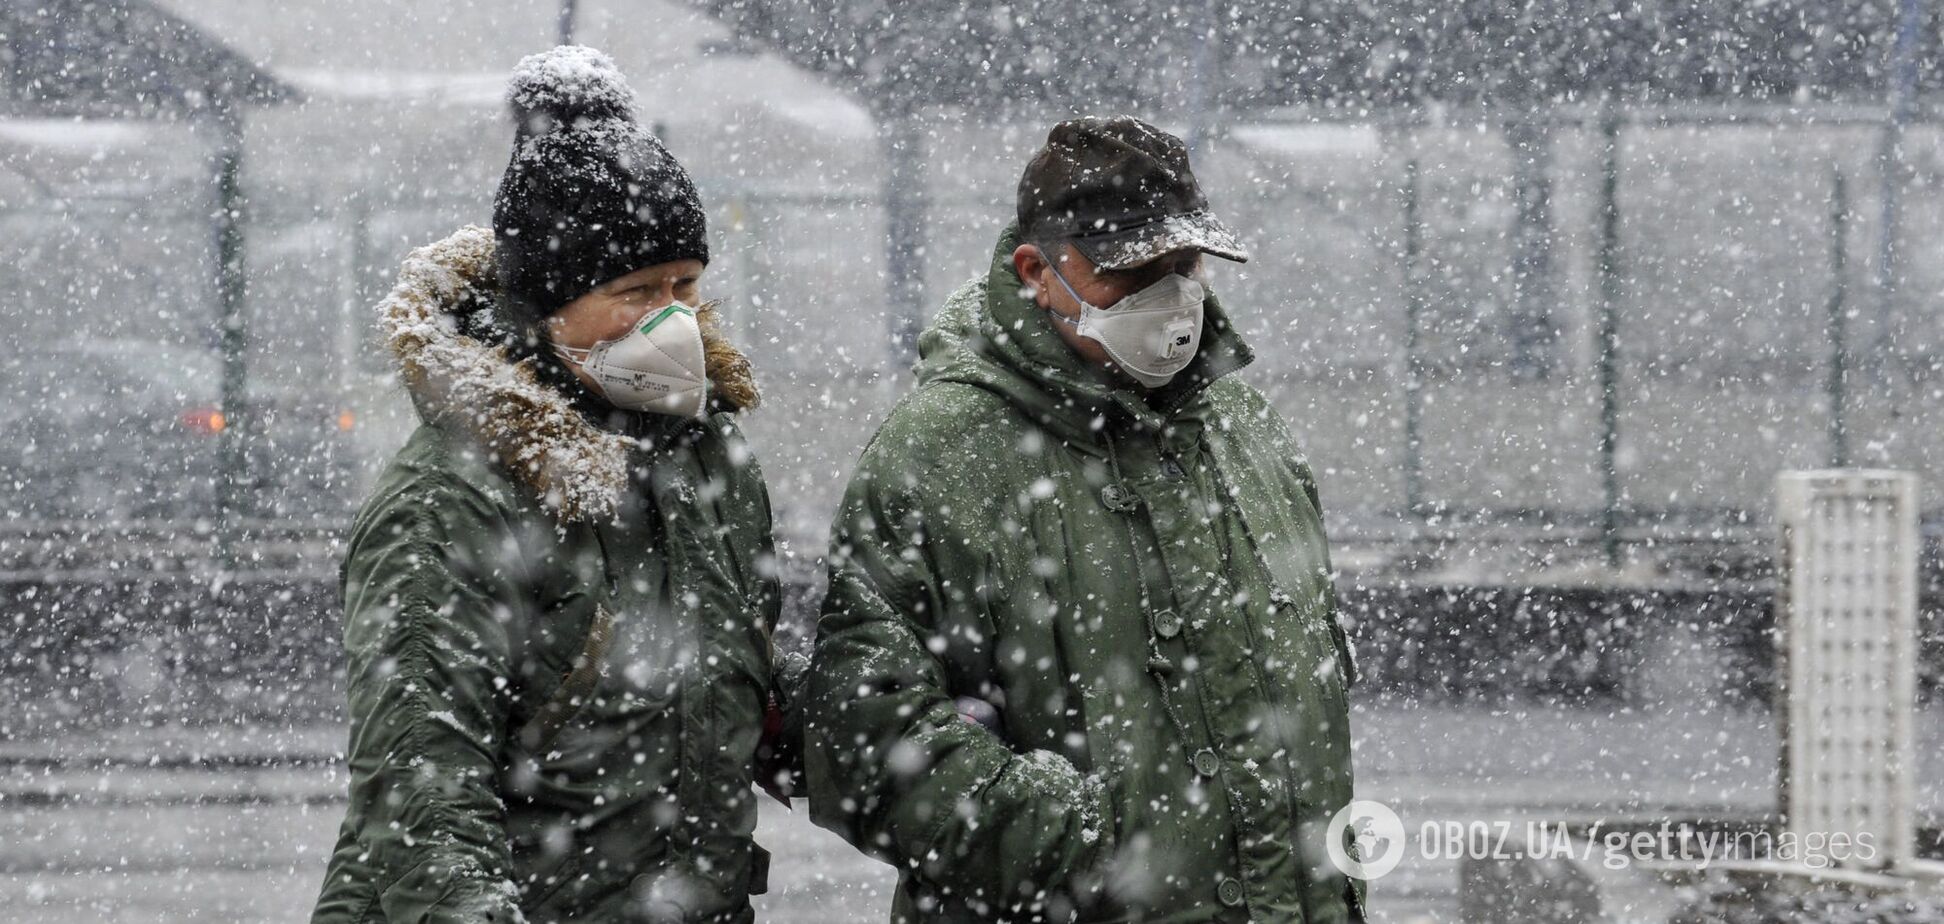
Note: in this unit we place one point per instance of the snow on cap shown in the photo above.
(566, 85)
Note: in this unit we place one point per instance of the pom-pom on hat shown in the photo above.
(589, 195)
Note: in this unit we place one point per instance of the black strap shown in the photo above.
(759, 869)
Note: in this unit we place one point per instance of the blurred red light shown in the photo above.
(207, 421)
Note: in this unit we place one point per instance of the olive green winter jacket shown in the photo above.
(506, 532)
(1140, 584)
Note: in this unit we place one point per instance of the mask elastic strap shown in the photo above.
(1084, 304)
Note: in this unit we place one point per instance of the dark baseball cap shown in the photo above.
(1121, 191)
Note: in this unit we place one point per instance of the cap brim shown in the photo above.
(1194, 231)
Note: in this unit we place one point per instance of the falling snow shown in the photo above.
(1479, 496)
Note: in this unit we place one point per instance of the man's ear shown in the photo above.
(1029, 264)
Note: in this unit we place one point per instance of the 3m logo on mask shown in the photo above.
(1181, 338)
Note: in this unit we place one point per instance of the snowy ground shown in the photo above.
(166, 826)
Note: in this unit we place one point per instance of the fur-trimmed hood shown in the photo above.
(573, 466)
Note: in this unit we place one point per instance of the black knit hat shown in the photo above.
(589, 195)
(1122, 192)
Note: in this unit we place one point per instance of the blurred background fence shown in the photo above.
(1546, 358)
(1384, 254)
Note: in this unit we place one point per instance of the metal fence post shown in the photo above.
(1609, 358)
(903, 144)
(1837, 384)
(564, 22)
(1413, 350)
(1902, 81)
(1533, 334)
(233, 463)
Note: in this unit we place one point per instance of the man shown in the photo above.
(1079, 660)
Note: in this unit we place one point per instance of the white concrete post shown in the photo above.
(1846, 605)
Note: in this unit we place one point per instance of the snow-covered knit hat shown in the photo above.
(589, 195)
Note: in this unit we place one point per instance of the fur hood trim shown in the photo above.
(575, 468)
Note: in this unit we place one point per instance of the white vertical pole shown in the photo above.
(1847, 606)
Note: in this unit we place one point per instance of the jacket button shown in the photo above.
(1167, 624)
(1207, 764)
(1229, 891)
(1119, 498)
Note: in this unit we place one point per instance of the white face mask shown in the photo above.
(657, 366)
(1151, 335)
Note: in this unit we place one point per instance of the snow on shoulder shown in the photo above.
(566, 85)
(573, 467)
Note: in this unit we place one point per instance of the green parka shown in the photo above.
(1139, 583)
(505, 533)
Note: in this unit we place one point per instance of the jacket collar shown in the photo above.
(546, 437)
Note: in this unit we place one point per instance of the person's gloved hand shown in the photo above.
(979, 712)
(779, 755)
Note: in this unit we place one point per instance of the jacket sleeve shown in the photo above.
(427, 640)
(1306, 476)
(779, 753)
(892, 767)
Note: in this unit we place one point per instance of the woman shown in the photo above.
(559, 595)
